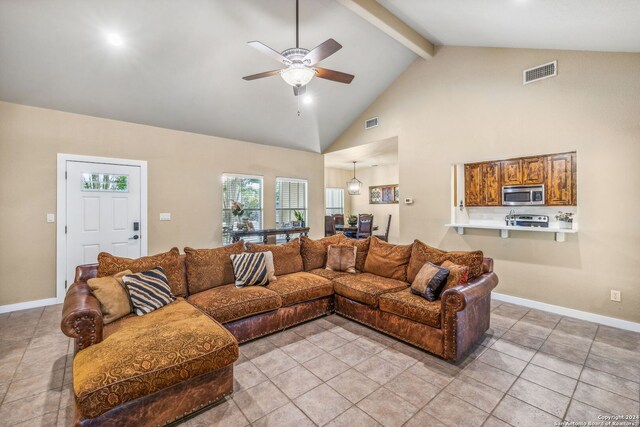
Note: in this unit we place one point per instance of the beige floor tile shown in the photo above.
(322, 404)
(474, 392)
(27, 315)
(611, 383)
(398, 358)
(351, 354)
(343, 333)
(353, 385)
(65, 417)
(256, 348)
(568, 352)
(274, 363)
(523, 340)
(326, 366)
(503, 361)
(494, 422)
(308, 329)
(622, 355)
(549, 379)
(414, 390)
(501, 322)
(327, 340)
(34, 385)
(48, 419)
(519, 413)
(577, 327)
(246, 375)
(618, 338)
(302, 351)
(323, 322)
(284, 338)
(556, 364)
(259, 400)
(434, 373)
(43, 367)
(367, 344)
(378, 369)
(296, 381)
(8, 369)
(353, 417)
(489, 375)
(380, 338)
(511, 311)
(287, 416)
(565, 338)
(43, 354)
(540, 397)
(614, 367)
(409, 350)
(512, 349)
(531, 329)
(12, 351)
(605, 400)
(579, 412)
(495, 304)
(224, 414)
(29, 407)
(424, 419)
(387, 408)
(455, 412)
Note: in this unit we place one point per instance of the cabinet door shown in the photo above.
(559, 180)
(511, 172)
(491, 184)
(533, 170)
(472, 185)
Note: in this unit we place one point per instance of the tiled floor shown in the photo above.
(531, 369)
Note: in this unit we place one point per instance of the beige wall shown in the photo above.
(469, 104)
(184, 179)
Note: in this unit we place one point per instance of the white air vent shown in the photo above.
(371, 123)
(540, 72)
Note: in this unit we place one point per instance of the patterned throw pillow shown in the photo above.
(149, 290)
(342, 258)
(253, 269)
(422, 253)
(430, 281)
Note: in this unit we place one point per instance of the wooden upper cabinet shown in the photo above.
(511, 172)
(473, 184)
(491, 187)
(559, 179)
(532, 171)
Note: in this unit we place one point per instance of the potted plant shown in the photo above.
(352, 220)
(299, 217)
(237, 210)
(565, 219)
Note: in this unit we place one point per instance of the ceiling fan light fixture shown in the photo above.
(297, 75)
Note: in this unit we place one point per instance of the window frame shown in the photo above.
(328, 208)
(226, 238)
(306, 198)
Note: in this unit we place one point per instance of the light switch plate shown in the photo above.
(166, 216)
(51, 217)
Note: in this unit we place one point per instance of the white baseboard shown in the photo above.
(582, 315)
(28, 304)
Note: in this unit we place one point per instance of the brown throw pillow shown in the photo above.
(208, 268)
(388, 260)
(363, 249)
(423, 253)
(341, 258)
(286, 257)
(112, 295)
(314, 252)
(169, 261)
(458, 274)
(430, 281)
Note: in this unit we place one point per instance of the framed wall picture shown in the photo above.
(384, 194)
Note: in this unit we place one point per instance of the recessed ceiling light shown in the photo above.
(115, 39)
(307, 99)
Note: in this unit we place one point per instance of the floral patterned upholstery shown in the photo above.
(362, 246)
(227, 303)
(328, 274)
(422, 253)
(366, 288)
(286, 257)
(314, 252)
(299, 287)
(411, 306)
(154, 351)
(208, 268)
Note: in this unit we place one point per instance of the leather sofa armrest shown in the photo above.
(81, 316)
(458, 297)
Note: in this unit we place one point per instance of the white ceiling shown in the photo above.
(181, 64)
(379, 153)
(598, 25)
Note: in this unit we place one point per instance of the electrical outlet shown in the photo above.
(615, 296)
(165, 216)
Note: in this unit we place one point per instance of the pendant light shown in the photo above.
(353, 185)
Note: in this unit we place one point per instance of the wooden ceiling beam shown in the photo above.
(380, 17)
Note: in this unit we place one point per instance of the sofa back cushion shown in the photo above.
(362, 246)
(314, 252)
(108, 265)
(208, 268)
(286, 257)
(423, 253)
(388, 260)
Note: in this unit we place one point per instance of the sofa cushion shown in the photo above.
(314, 252)
(300, 287)
(422, 253)
(341, 258)
(149, 290)
(327, 274)
(362, 246)
(286, 257)
(208, 268)
(173, 266)
(112, 296)
(408, 305)
(227, 303)
(388, 260)
(150, 353)
(458, 274)
(366, 288)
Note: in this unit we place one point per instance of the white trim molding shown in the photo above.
(28, 304)
(570, 312)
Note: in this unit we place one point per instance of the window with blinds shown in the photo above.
(334, 201)
(245, 189)
(291, 195)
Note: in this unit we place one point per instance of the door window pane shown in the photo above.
(93, 181)
(246, 190)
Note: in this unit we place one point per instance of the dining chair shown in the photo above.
(339, 219)
(385, 236)
(365, 226)
(329, 226)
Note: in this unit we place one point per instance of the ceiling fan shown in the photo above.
(300, 63)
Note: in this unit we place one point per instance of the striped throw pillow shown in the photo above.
(149, 290)
(252, 268)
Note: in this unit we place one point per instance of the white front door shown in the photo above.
(103, 212)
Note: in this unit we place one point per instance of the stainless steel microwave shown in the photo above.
(522, 195)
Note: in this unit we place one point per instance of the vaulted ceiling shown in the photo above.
(180, 63)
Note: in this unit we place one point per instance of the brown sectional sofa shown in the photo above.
(205, 326)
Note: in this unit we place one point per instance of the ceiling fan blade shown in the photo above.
(299, 91)
(262, 75)
(333, 75)
(269, 52)
(322, 51)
